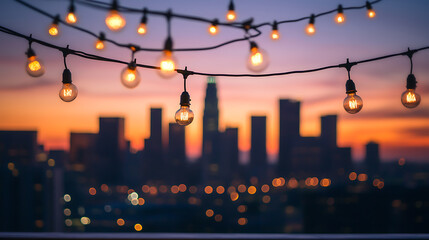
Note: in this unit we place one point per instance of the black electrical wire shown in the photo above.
(137, 47)
(82, 54)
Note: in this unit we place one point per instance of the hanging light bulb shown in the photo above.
(214, 29)
(71, 17)
(258, 58)
(409, 98)
(142, 30)
(68, 91)
(130, 77)
(352, 103)
(275, 32)
(34, 66)
(370, 12)
(114, 20)
(167, 62)
(310, 29)
(53, 28)
(184, 116)
(99, 44)
(230, 15)
(340, 18)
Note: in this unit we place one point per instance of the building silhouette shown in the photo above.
(211, 146)
(289, 125)
(258, 150)
(111, 146)
(372, 159)
(229, 160)
(153, 162)
(176, 161)
(83, 154)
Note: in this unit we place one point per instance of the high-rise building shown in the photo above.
(328, 137)
(83, 152)
(372, 159)
(176, 161)
(210, 151)
(153, 166)
(289, 133)
(111, 147)
(258, 149)
(229, 161)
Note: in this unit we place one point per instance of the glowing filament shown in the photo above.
(353, 104)
(230, 16)
(99, 45)
(71, 18)
(53, 30)
(115, 21)
(142, 29)
(275, 35)
(184, 116)
(34, 66)
(340, 18)
(213, 30)
(131, 77)
(167, 65)
(67, 92)
(310, 29)
(256, 57)
(371, 13)
(411, 97)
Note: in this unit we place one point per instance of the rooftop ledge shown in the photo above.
(223, 236)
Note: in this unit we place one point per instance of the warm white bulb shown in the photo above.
(130, 78)
(184, 116)
(410, 99)
(340, 18)
(71, 18)
(310, 29)
(115, 21)
(34, 67)
(99, 45)
(257, 60)
(53, 30)
(231, 16)
(167, 63)
(68, 92)
(353, 103)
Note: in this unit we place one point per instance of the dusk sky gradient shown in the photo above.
(33, 103)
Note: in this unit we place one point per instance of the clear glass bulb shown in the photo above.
(167, 63)
(68, 92)
(184, 116)
(371, 13)
(410, 99)
(310, 29)
(53, 30)
(231, 16)
(275, 35)
(257, 60)
(130, 78)
(340, 18)
(34, 67)
(353, 103)
(115, 21)
(142, 29)
(71, 18)
(99, 45)
(213, 29)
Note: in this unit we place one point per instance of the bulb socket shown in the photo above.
(114, 5)
(67, 76)
(102, 36)
(368, 5)
(71, 8)
(144, 18)
(275, 26)
(132, 65)
(253, 45)
(215, 22)
(30, 53)
(350, 86)
(168, 45)
(231, 6)
(411, 82)
(340, 9)
(185, 99)
(312, 19)
(56, 19)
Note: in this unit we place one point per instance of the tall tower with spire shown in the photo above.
(210, 151)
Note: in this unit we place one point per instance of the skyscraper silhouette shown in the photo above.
(176, 161)
(210, 151)
(229, 162)
(328, 137)
(372, 159)
(111, 147)
(289, 133)
(258, 151)
(153, 152)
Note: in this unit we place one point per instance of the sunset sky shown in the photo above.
(28, 103)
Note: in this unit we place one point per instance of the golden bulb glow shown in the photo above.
(340, 18)
(184, 116)
(213, 30)
(115, 21)
(257, 60)
(353, 103)
(410, 99)
(167, 64)
(130, 78)
(99, 45)
(371, 13)
(53, 30)
(34, 67)
(275, 34)
(231, 16)
(68, 92)
(71, 18)
(142, 29)
(310, 29)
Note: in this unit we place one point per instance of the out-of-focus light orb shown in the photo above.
(115, 21)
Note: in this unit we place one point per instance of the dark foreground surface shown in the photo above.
(176, 236)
